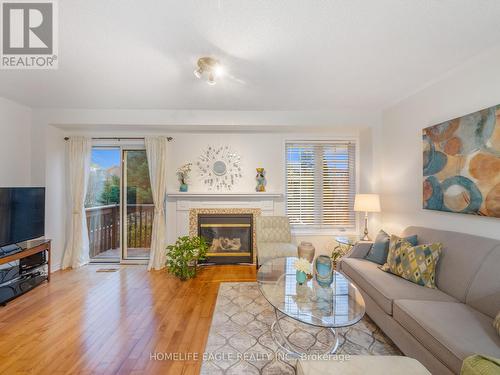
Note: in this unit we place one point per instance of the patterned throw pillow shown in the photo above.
(413, 263)
(496, 323)
(394, 246)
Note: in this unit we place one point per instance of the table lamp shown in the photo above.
(366, 203)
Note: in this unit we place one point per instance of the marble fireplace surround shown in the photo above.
(186, 207)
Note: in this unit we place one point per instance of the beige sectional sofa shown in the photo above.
(438, 327)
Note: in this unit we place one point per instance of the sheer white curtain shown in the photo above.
(76, 253)
(156, 150)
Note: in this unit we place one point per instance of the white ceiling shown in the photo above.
(280, 54)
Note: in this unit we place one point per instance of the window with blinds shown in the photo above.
(321, 184)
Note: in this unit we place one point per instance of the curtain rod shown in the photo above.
(120, 138)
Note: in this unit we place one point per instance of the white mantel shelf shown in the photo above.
(229, 194)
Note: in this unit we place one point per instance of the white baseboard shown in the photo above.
(55, 267)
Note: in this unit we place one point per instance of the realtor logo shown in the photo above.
(29, 34)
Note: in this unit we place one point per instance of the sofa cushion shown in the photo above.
(384, 287)
(451, 331)
(270, 250)
(484, 291)
(462, 258)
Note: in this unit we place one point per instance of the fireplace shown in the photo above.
(229, 237)
(230, 234)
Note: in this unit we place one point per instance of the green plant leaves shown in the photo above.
(183, 256)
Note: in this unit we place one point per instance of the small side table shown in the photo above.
(345, 243)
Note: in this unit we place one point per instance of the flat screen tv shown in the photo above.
(22, 214)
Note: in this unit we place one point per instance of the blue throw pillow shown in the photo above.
(380, 248)
(412, 239)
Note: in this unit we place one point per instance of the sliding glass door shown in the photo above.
(102, 204)
(138, 206)
(119, 205)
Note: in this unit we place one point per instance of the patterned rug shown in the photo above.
(240, 341)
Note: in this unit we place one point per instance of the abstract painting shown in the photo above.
(461, 164)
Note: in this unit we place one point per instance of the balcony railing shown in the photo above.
(103, 225)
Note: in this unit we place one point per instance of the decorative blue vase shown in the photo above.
(301, 277)
(323, 270)
(183, 188)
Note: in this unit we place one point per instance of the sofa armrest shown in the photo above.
(359, 250)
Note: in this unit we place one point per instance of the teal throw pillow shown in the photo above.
(380, 248)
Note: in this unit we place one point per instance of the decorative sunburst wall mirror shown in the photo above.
(219, 168)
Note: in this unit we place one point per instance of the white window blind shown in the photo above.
(320, 184)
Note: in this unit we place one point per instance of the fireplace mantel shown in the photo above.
(180, 204)
(218, 195)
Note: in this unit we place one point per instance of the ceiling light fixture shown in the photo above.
(209, 67)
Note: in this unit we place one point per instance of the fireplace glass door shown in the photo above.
(228, 236)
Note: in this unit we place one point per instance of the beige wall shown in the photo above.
(474, 86)
(15, 144)
(259, 141)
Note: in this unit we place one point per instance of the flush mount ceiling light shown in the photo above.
(210, 68)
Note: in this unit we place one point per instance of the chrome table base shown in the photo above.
(283, 342)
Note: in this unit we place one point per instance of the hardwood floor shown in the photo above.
(88, 322)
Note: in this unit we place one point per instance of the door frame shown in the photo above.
(123, 207)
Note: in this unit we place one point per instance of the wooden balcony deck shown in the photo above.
(103, 225)
(138, 253)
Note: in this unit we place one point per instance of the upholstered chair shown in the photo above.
(274, 238)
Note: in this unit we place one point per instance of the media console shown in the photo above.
(24, 270)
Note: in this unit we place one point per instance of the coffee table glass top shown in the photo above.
(338, 305)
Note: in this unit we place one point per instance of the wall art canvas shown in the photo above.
(461, 164)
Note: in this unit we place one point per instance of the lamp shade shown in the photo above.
(367, 203)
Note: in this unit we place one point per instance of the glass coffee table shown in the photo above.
(324, 308)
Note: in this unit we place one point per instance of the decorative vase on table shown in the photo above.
(301, 277)
(323, 270)
(306, 250)
(183, 188)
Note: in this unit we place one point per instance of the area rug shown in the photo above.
(240, 341)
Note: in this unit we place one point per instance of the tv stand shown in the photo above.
(35, 247)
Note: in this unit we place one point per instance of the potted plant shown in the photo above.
(337, 253)
(183, 256)
(183, 176)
